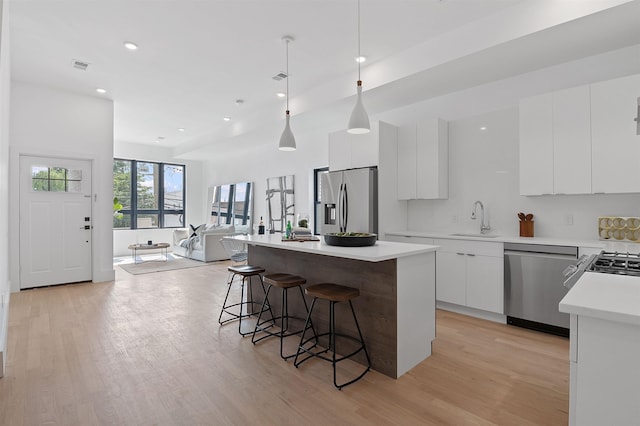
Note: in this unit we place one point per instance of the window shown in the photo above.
(55, 179)
(148, 194)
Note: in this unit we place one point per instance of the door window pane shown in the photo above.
(147, 186)
(55, 179)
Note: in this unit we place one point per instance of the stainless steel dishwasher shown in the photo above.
(533, 287)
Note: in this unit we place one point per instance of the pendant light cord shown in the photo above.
(287, 42)
(359, 56)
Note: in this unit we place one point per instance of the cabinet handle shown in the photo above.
(470, 254)
(460, 254)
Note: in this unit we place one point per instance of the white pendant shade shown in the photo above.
(287, 141)
(359, 121)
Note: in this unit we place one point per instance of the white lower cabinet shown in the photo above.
(604, 373)
(470, 273)
(451, 277)
(485, 283)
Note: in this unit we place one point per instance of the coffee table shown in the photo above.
(157, 246)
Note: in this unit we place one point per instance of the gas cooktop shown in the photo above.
(616, 263)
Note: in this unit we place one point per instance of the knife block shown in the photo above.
(526, 228)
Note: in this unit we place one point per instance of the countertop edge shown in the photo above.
(387, 250)
(604, 296)
(600, 244)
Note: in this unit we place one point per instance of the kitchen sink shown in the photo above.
(474, 235)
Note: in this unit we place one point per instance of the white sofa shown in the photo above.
(204, 245)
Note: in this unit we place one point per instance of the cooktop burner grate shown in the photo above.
(617, 263)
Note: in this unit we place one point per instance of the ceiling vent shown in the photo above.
(80, 65)
(280, 76)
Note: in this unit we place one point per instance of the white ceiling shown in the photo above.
(197, 57)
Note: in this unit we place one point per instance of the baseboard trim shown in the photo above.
(472, 312)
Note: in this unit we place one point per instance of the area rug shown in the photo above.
(173, 262)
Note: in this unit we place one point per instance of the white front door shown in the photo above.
(55, 221)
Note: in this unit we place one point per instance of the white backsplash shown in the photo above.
(483, 165)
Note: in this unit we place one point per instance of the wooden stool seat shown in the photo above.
(332, 292)
(284, 280)
(246, 270)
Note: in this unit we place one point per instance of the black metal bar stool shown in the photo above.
(334, 293)
(284, 282)
(246, 272)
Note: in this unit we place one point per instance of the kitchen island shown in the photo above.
(396, 307)
(604, 349)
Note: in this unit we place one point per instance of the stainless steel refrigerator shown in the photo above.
(349, 201)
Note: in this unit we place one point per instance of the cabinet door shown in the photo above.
(536, 145)
(572, 141)
(432, 154)
(407, 162)
(485, 283)
(616, 146)
(364, 148)
(450, 277)
(339, 151)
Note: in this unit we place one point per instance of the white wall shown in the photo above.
(5, 89)
(267, 161)
(195, 195)
(483, 165)
(49, 122)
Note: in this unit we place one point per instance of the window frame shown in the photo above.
(134, 211)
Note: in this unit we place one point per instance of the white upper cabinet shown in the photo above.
(555, 143)
(572, 141)
(348, 151)
(407, 163)
(616, 145)
(536, 145)
(423, 160)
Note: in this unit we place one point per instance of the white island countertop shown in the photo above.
(605, 296)
(382, 250)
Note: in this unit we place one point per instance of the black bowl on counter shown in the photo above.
(350, 239)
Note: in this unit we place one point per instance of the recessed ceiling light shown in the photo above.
(281, 94)
(181, 129)
(361, 59)
(130, 45)
(101, 90)
(227, 118)
(483, 128)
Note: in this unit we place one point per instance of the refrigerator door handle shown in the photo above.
(345, 205)
(340, 208)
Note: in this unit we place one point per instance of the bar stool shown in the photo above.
(334, 293)
(246, 272)
(284, 282)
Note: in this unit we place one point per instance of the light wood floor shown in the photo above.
(147, 350)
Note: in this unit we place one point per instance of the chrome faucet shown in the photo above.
(484, 228)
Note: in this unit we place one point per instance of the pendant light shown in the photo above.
(287, 141)
(359, 120)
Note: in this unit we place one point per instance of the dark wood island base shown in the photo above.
(396, 306)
